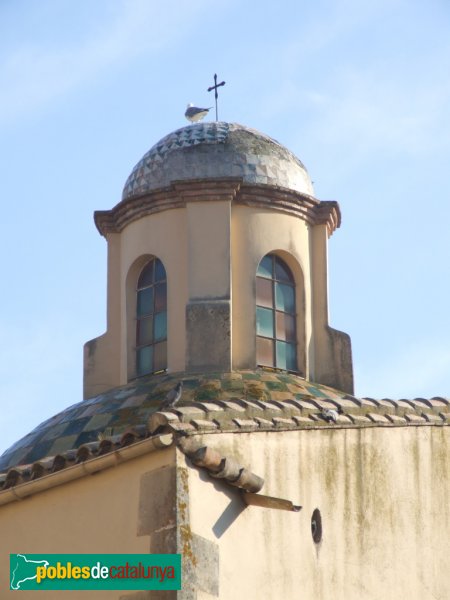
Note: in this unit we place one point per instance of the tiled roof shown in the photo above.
(116, 410)
(299, 413)
(242, 401)
(212, 150)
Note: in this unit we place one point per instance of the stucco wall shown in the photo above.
(211, 251)
(384, 497)
(383, 494)
(255, 233)
(102, 513)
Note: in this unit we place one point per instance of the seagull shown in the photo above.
(329, 414)
(194, 113)
(173, 396)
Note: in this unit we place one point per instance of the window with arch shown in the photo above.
(151, 319)
(276, 335)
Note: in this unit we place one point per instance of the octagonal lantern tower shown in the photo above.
(207, 204)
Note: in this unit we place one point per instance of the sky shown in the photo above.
(359, 91)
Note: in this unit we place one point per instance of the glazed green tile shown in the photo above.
(232, 376)
(134, 401)
(283, 378)
(315, 391)
(276, 386)
(62, 444)
(255, 390)
(89, 411)
(15, 458)
(213, 375)
(233, 385)
(190, 384)
(37, 451)
(97, 422)
(54, 432)
(207, 392)
(76, 426)
(87, 436)
(251, 376)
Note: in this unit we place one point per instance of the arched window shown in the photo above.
(275, 315)
(151, 319)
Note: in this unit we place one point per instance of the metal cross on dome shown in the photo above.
(216, 95)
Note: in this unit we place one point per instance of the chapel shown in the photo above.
(265, 472)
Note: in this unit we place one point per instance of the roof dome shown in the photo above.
(117, 410)
(216, 150)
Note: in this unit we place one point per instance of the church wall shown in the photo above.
(109, 359)
(211, 250)
(163, 235)
(104, 513)
(383, 497)
(208, 312)
(331, 349)
(255, 233)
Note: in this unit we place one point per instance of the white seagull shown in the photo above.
(194, 113)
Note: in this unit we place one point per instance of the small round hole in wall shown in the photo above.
(316, 526)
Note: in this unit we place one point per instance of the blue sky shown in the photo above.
(359, 91)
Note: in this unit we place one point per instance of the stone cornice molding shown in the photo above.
(307, 208)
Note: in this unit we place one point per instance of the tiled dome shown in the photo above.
(121, 408)
(217, 150)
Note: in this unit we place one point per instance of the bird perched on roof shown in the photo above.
(330, 415)
(173, 397)
(194, 113)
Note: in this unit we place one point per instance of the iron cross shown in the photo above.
(216, 95)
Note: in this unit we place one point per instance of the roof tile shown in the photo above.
(377, 418)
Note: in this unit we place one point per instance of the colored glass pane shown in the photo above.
(286, 358)
(151, 322)
(265, 268)
(160, 361)
(285, 327)
(144, 331)
(264, 352)
(264, 292)
(160, 326)
(282, 271)
(275, 314)
(146, 276)
(144, 360)
(284, 297)
(264, 322)
(145, 302)
(160, 297)
(160, 272)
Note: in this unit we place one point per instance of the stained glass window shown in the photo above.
(275, 315)
(151, 319)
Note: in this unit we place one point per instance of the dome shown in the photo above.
(217, 150)
(120, 409)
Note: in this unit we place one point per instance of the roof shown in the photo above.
(241, 401)
(213, 150)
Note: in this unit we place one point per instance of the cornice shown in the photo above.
(179, 193)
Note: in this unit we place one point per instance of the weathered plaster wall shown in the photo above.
(164, 235)
(255, 233)
(384, 497)
(103, 513)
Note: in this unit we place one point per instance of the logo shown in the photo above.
(95, 571)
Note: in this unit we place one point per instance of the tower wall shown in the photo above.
(211, 248)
